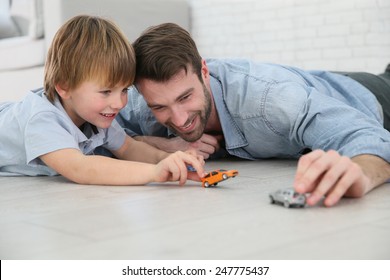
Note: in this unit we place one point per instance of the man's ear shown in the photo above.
(205, 71)
(62, 91)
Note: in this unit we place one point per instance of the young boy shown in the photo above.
(55, 130)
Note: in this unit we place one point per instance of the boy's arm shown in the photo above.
(100, 170)
(139, 151)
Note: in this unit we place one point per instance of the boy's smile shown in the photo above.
(94, 104)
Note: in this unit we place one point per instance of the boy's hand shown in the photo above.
(174, 167)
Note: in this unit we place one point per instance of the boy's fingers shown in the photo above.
(193, 176)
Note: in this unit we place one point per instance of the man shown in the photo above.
(331, 122)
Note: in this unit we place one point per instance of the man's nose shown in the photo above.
(178, 117)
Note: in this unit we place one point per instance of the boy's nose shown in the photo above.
(118, 102)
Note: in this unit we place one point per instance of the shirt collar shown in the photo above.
(88, 133)
(232, 134)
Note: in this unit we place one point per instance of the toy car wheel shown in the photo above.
(224, 176)
(271, 199)
(206, 184)
(286, 204)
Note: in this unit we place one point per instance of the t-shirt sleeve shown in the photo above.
(47, 132)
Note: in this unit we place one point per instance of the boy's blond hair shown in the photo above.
(88, 48)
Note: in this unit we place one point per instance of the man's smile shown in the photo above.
(188, 127)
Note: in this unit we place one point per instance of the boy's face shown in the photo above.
(183, 103)
(93, 103)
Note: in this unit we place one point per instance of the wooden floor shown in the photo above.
(51, 218)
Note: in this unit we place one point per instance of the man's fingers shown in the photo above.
(329, 175)
(331, 179)
(211, 139)
(350, 179)
(310, 169)
(305, 161)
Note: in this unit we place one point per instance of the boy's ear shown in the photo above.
(62, 91)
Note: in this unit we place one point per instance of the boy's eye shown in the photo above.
(125, 90)
(105, 92)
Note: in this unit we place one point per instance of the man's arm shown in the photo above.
(375, 168)
(205, 146)
(331, 175)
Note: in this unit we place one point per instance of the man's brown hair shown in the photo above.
(164, 50)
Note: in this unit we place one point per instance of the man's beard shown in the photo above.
(197, 134)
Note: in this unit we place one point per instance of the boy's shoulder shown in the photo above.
(33, 106)
(35, 102)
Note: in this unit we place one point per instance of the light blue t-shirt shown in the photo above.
(275, 111)
(34, 127)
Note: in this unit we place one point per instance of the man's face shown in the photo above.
(183, 103)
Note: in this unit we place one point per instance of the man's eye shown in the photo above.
(184, 98)
(157, 108)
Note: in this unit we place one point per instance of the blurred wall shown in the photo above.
(352, 35)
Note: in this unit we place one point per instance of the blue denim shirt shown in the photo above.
(269, 110)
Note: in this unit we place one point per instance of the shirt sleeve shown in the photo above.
(317, 121)
(46, 132)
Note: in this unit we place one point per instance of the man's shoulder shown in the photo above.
(265, 71)
(229, 63)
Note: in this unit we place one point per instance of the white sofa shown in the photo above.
(133, 16)
(22, 37)
(31, 24)
(22, 55)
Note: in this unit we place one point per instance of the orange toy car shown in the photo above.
(216, 176)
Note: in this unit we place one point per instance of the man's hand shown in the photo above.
(331, 175)
(205, 146)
